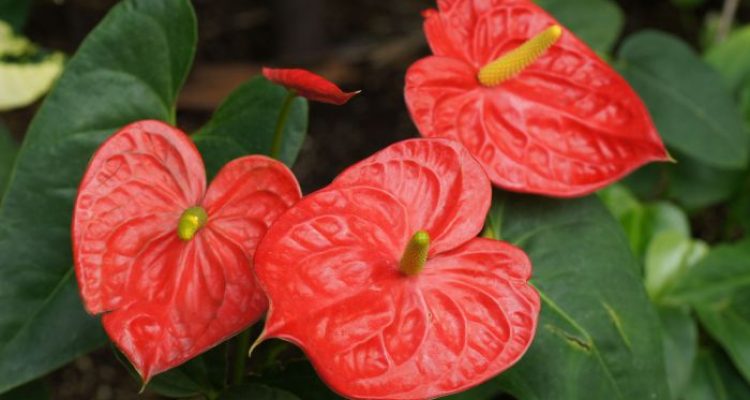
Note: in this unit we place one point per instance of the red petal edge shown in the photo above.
(165, 300)
(309, 85)
(330, 269)
(565, 127)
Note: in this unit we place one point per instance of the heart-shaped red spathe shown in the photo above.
(330, 267)
(566, 126)
(166, 300)
(309, 85)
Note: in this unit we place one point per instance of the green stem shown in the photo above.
(240, 356)
(278, 136)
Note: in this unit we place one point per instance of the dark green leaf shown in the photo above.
(598, 336)
(686, 97)
(14, 12)
(696, 185)
(36, 390)
(249, 121)
(723, 272)
(256, 392)
(597, 22)
(728, 321)
(714, 378)
(8, 149)
(680, 335)
(204, 374)
(297, 377)
(129, 68)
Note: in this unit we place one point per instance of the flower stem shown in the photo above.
(240, 356)
(278, 136)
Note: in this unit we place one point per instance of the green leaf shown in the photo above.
(36, 390)
(14, 12)
(8, 149)
(692, 110)
(598, 336)
(696, 185)
(203, 375)
(129, 68)
(250, 120)
(714, 378)
(256, 392)
(725, 271)
(680, 336)
(297, 377)
(596, 22)
(732, 59)
(728, 321)
(669, 255)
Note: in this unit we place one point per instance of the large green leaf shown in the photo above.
(129, 68)
(596, 22)
(680, 335)
(254, 117)
(36, 390)
(714, 378)
(8, 151)
(669, 256)
(692, 110)
(598, 336)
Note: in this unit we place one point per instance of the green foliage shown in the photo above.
(596, 22)
(249, 121)
(598, 335)
(692, 110)
(256, 392)
(714, 378)
(8, 149)
(680, 335)
(110, 82)
(14, 12)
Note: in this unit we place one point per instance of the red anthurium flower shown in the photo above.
(167, 262)
(381, 280)
(308, 85)
(537, 107)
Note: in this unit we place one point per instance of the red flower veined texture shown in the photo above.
(166, 261)
(536, 106)
(381, 280)
(309, 85)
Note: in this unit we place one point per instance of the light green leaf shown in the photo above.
(692, 110)
(598, 336)
(732, 59)
(725, 271)
(596, 22)
(714, 378)
(669, 256)
(253, 118)
(680, 335)
(129, 68)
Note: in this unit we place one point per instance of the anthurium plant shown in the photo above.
(567, 223)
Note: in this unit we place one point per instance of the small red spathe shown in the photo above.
(165, 299)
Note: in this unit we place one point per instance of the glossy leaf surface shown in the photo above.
(256, 392)
(680, 335)
(249, 121)
(596, 22)
(691, 107)
(166, 299)
(598, 336)
(308, 85)
(565, 126)
(107, 84)
(728, 322)
(330, 267)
